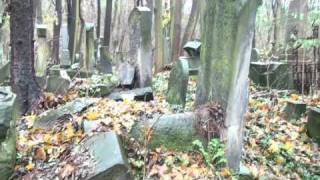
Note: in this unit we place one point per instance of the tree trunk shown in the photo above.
(98, 18)
(73, 26)
(192, 23)
(22, 44)
(107, 24)
(227, 33)
(158, 37)
(56, 32)
(176, 29)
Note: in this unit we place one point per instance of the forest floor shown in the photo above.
(274, 147)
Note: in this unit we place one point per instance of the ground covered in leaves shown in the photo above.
(274, 147)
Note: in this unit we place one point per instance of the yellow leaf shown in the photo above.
(30, 120)
(70, 131)
(280, 160)
(226, 172)
(47, 138)
(29, 167)
(288, 147)
(294, 97)
(92, 116)
(273, 147)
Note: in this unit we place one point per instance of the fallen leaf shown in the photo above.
(66, 171)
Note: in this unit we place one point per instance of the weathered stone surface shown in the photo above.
(126, 73)
(175, 132)
(7, 132)
(271, 74)
(295, 110)
(139, 94)
(104, 65)
(313, 125)
(58, 83)
(255, 55)
(140, 50)
(42, 57)
(107, 151)
(90, 56)
(65, 60)
(4, 72)
(101, 85)
(48, 118)
(178, 83)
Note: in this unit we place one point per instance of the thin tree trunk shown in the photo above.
(56, 32)
(192, 23)
(22, 66)
(73, 26)
(158, 37)
(98, 18)
(176, 29)
(107, 24)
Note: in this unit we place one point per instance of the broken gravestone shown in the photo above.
(274, 75)
(7, 132)
(140, 47)
(49, 118)
(138, 94)
(126, 73)
(178, 83)
(110, 161)
(58, 82)
(313, 125)
(295, 109)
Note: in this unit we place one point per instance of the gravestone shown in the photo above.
(295, 109)
(5, 72)
(64, 51)
(178, 83)
(89, 62)
(126, 74)
(140, 47)
(271, 74)
(7, 132)
(104, 64)
(166, 51)
(255, 55)
(43, 51)
(110, 160)
(313, 125)
(58, 82)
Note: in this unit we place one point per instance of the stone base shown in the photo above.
(313, 125)
(295, 110)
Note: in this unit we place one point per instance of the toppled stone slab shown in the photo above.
(7, 132)
(139, 94)
(313, 125)
(48, 118)
(99, 85)
(295, 109)
(174, 132)
(107, 151)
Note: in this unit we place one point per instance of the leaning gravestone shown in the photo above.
(313, 125)
(178, 83)
(7, 132)
(111, 162)
(126, 73)
(140, 47)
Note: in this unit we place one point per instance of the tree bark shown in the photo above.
(98, 18)
(176, 29)
(227, 33)
(192, 23)
(107, 24)
(159, 64)
(56, 32)
(22, 44)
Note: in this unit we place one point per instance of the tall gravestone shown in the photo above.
(43, 50)
(64, 51)
(89, 62)
(7, 132)
(140, 47)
